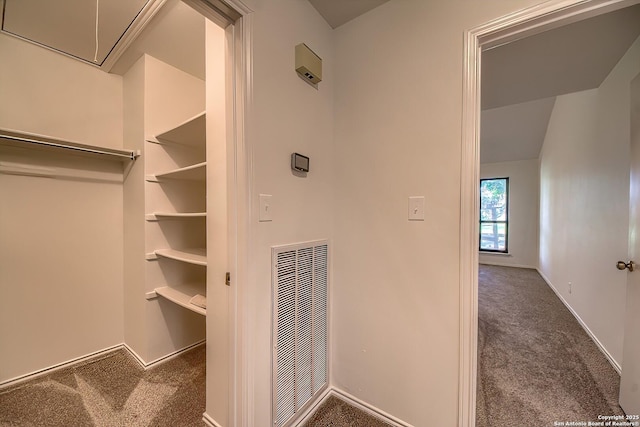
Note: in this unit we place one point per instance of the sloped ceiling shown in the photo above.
(568, 59)
(338, 12)
(175, 35)
(514, 132)
(69, 26)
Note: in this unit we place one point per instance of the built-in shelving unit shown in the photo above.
(191, 136)
(183, 295)
(196, 256)
(159, 216)
(197, 172)
(191, 133)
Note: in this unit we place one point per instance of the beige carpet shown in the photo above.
(536, 365)
(335, 412)
(112, 390)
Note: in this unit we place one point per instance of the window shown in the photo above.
(494, 215)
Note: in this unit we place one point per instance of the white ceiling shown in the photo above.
(69, 26)
(567, 59)
(525, 123)
(337, 12)
(175, 35)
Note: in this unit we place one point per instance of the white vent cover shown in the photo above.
(300, 333)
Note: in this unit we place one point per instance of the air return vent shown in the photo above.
(300, 333)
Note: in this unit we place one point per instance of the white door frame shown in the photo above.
(548, 15)
(239, 180)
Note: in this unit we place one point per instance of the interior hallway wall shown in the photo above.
(584, 202)
(286, 115)
(398, 121)
(61, 239)
(524, 182)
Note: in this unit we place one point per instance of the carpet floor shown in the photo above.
(536, 365)
(111, 391)
(335, 412)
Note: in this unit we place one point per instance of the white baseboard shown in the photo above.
(68, 363)
(604, 351)
(210, 422)
(500, 264)
(57, 367)
(353, 401)
(370, 409)
(147, 365)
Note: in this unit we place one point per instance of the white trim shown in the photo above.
(53, 368)
(240, 381)
(351, 400)
(481, 252)
(469, 231)
(499, 264)
(210, 422)
(75, 361)
(593, 337)
(139, 23)
(368, 408)
(148, 365)
(542, 17)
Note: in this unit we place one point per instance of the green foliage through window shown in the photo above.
(494, 212)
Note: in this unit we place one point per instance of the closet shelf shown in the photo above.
(191, 133)
(197, 172)
(182, 294)
(158, 216)
(31, 140)
(197, 256)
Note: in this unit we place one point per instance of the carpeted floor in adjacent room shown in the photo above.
(112, 390)
(536, 365)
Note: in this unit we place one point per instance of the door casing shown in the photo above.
(515, 26)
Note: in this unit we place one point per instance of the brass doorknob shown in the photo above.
(621, 265)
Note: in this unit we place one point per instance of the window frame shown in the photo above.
(505, 222)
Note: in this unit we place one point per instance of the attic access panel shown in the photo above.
(69, 26)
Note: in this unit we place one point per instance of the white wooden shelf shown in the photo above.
(182, 294)
(159, 216)
(197, 172)
(191, 133)
(197, 256)
(42, 142)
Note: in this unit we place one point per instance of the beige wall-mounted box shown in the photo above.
(308, 64)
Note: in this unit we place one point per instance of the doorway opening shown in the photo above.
(479, 41)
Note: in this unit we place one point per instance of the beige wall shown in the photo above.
(46, 93)
(287, 115)
(523, 212)
(61, 239)
(584, 201)
(398, 111)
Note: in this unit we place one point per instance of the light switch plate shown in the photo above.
(416, 208)
(265, 208)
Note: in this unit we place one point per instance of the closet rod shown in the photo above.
(55, 143)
